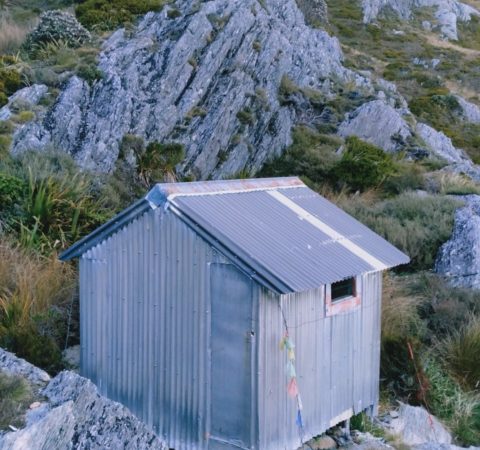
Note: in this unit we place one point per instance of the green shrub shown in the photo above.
(15, 397)
(173, 13)
(438, 110)
(3, 99)
(311, 156)
(106, 15)
(407, 176)
(418, 225)
(5, 142)
(6, 127)
(12, 190)
(90, 73)
(159, 161)
(58, 205)
(363, 165)
(444, 309)
(131, 146)
(245, 116)
(24, 116)
(56, 26)
(11, 80)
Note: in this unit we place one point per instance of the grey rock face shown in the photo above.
(448, 12)
(187, 79)
(459, 258)
(315, 11)
(30, 95)
(416, 426)
(470, 111)
(55, 430)
(440, 145)
(80, 418)
(378, 123)
(12, 365)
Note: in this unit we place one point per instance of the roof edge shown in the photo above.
(106, 230)
(162, 192)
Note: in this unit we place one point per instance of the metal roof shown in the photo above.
(290, 237)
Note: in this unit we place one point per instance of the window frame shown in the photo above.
(345, 304)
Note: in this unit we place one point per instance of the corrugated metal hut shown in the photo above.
(186, 295)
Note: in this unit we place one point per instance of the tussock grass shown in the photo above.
(455, 184)
(458, 408)
(35, 296)
(417, 225)
(461, 353)
(400, 311)
(12, 35)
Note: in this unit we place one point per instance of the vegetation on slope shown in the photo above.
(46, 204)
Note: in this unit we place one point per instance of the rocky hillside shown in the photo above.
(374, 103)
(209, 76)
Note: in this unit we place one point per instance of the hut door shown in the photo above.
(231, 358)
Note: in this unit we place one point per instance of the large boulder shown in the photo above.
(27, 97)
(78, 417)
(379, 123)
(12, 365)
(459, 258)
(470, 111)
(208, 78)
(440, 145)
(415, 426)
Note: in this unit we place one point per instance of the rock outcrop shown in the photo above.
(11, 365)
(448, 12)
(209, 79)
(75, 416)
(27, 97)
(440, 145)
(379, 123)
(470, 111)
(459, 258)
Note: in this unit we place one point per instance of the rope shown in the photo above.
(423, 392)
(292, 385)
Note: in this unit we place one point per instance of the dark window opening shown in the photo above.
(343, 289)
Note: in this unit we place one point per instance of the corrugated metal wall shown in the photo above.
(145, 338)
(337, 362)
(145, 324)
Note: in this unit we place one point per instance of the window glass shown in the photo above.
(343, 289)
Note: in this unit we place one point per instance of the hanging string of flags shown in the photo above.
(292, 387)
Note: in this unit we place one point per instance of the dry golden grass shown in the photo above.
(400, 316)
(30, 285)
(455, 184)
(12, 35)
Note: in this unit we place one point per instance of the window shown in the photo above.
(343, 289)
(343, 296)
